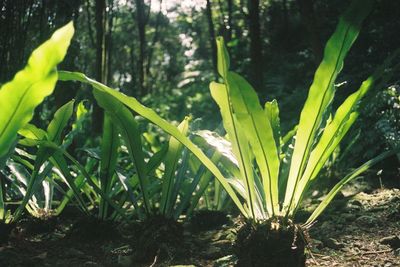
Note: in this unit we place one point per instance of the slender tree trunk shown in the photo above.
(141, 24)
(101, 24)
(100, 16)
(67, 10)
(109, 46)
(256, 53)
(108, 43)
(309, 20)
(211, 31)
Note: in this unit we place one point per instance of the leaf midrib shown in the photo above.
(263, 152)
(20, 100)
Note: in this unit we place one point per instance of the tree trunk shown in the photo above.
(141, 24)
(256, 54)
(213, 43)
(108, 43)
(67, 10)
(100, 68)
(101, 24)
(308, 17)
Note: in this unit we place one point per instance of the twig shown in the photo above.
(314, 260)
(312, 256)
(321, 255)
(376, 252)
(155, 260)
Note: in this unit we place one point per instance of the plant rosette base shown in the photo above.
(273, 243)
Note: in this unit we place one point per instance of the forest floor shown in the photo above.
(361, 228)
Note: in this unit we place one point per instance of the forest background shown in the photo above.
(163, 52)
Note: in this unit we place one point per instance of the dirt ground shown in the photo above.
(359, 229)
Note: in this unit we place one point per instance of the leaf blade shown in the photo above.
(150, 115)
(19, 97)
(322, 90)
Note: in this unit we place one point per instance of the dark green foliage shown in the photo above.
(379, 123)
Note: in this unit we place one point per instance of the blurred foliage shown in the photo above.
(379, 125)
(180, 65)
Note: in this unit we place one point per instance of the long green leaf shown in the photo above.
(19, 97)
(59, 122)
(201, 180)
(240, 145)
(260, 133)
(272, 113)
(334, 132)
(130, 132)
(149, 114)
(109, 155)
(93, 186)
(58, 160)
(30, 131)
(171, 163)
(33, 134)
(221, 94)
(53, 134)
(79, 182)
(322, 90)
(156, 159)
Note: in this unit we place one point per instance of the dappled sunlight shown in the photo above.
(152, 129)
